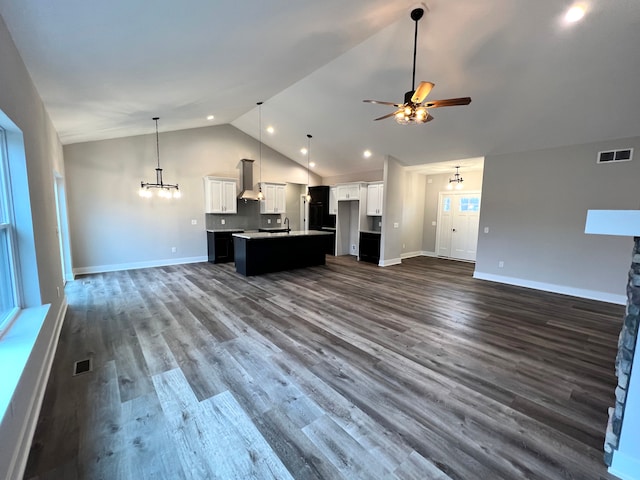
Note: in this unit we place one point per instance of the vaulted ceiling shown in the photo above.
(104, 69)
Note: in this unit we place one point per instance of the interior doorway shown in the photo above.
(458, 224)
(62, 229)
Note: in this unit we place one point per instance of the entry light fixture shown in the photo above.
(260, 194)
(308, 196)
(165, 190)
(456, 180)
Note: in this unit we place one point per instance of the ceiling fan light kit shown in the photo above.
(413, 110)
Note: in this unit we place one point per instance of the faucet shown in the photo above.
(286, 222)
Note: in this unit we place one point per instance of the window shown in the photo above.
(446, 204)
(8, 281)
(470, 204)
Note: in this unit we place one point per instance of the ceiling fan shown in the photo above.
(413, 110)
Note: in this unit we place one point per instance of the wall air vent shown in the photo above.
(611, 156)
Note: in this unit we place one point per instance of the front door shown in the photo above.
(458, 223)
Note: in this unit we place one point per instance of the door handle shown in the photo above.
(453, 229)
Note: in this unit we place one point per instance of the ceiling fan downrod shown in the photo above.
(416, 15)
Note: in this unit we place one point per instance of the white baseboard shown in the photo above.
(550, 287)
(425, 253)
(388, 263)
(410, 255)
(134, 265)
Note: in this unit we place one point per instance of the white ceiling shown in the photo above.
(104, 69)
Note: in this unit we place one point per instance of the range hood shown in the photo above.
(246, 181)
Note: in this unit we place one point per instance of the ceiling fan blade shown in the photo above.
(386, 116)
(380, 102)
(449, 102)
(421, 92)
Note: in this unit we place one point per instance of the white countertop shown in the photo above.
(293, 233)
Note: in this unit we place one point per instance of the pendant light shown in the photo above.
(308, 196)
(260, 194)
(165, 190)
(456, 180)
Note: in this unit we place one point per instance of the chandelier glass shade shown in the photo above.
(456, 180)
(164, 190)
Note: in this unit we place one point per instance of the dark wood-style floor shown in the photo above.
(346, 371)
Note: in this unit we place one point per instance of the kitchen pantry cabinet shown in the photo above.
(220, 195)
(349, 192)
(274, 198)
(333, 201)
(374, 199)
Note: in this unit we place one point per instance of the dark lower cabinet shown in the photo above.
(369, 247)
(220, 246)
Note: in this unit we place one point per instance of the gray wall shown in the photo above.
(371, 176)
(433, 186)
(20, 101)
(413, 214)
(535, 204)
(112, 227)
(394, 183)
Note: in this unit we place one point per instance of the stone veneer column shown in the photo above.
(624, 360)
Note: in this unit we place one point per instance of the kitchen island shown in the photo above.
(263, 252)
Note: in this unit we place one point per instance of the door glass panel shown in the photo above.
(469, 204)
(446, 204)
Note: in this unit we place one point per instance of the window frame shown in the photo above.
(7, 234)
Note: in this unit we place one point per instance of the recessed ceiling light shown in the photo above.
(312, 164)
(367, 153)
(270, 129)
(303, 151)
(210, 117)
(575, 13)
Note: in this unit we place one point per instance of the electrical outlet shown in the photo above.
(500, 264)
(396, 225)
(486, 229)
(353, 248)
(194, 221)
(433, 224)
(174, 249)
(222, 221)
(278, 220)
(379, 224)
(268, 220)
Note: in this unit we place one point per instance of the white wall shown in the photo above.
(535, 204)
(112, 227)
(20, 101)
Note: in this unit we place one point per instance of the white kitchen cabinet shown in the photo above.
(274, 198)
(220, 195)
(348, 192)
(374, 199)
(333, 201)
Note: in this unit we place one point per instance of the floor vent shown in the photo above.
(611, 156)
(82, 366)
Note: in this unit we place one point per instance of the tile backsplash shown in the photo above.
(247, 218)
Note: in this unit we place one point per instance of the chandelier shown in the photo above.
(165, 190)
(457, 180)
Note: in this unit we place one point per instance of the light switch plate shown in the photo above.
(433, 224)
(223, 221)
(194, 221)
(396, 225)
(278, 220)
(268, 220)
(486, 229)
